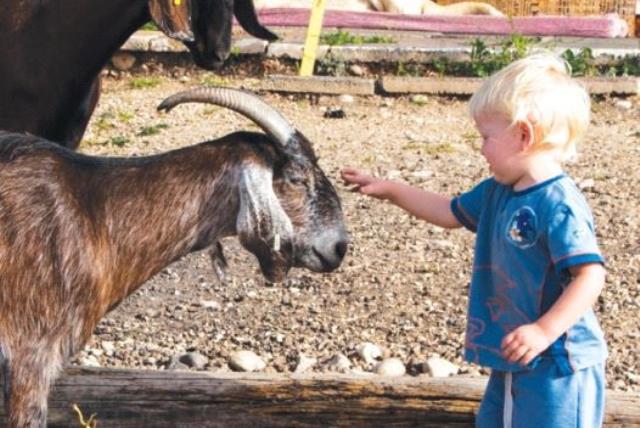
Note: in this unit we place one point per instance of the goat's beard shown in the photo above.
(274, 264)
(274, 272)
(275, 267)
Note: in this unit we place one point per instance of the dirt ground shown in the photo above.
(403, 285)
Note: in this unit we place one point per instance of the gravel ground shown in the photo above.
(403, 284)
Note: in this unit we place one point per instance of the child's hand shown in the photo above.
(524, 343)
(365, 184)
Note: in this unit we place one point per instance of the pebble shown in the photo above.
(369, 352)
(108, 348)
(393, 367)
(89, 361)
(346, 99)
(123, 61)
(624, 104)
(338, 363)
(419, 99)
(245, 361)
(439, 367)
(193, 360)
(587, 184)
(305, 363)
(210, 304)
(334, 113)
(356, 70)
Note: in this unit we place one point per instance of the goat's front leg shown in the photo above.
(27, 379)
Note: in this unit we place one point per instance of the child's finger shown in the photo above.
(528, 357)
(517, 353)
(507, 340)
(511, 347)
(349, 170)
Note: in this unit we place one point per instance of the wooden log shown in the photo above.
(598, 26)
(138, 398)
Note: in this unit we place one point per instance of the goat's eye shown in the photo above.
(297, 180)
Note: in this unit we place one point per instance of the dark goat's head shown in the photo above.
(205, 25)
(290, 213)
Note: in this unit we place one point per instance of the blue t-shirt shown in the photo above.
(525, 242)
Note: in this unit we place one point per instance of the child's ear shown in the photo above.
(526, 134)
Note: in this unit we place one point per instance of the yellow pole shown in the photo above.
(313, 36)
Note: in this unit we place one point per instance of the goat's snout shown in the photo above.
(329, 250)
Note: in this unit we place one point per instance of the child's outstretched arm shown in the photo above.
(527, 341)
(428, 206)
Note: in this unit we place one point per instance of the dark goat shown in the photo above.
(53, 50)
(78, 233)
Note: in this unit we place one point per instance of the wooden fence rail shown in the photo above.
(136, 398)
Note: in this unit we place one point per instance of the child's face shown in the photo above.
(502, 147)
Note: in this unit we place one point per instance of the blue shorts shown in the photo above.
(544, 398)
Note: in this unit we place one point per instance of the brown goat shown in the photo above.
(78, 234)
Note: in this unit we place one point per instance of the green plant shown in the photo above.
(214, 80)
(430, 148)
(485, 62)
(340, 37)
(150, 26)
(145, 82)
(152, 130)
(629, 65)
(582, 63)
(119, 141)
(330, 66)
(409, 69)
(105, 121)
(124, 116)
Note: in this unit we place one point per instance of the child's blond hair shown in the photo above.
(538, 89)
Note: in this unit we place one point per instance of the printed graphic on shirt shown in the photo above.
(521, 229)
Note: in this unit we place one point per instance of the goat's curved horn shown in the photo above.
(245, 103)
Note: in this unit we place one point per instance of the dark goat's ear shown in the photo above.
(245, 13)
(173, 17)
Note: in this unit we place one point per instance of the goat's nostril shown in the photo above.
(341, 249)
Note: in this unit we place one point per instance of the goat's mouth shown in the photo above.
(316, 261)
(209, 60)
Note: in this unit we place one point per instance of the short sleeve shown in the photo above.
(571, 236)
(468, 206)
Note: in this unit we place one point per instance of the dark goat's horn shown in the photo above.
(245, 13)
(245, 103)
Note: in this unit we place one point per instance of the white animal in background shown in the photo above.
(412, 7)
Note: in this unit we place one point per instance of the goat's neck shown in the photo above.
(158, 212)
(84, 33)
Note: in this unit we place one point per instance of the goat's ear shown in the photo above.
(173, 17)
(262, 225)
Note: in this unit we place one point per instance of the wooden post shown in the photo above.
(312, 39)
(139, 398)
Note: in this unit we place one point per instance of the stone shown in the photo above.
(439, 367)
(108, 348)
(624, 104)
(305, 363)
(193, 360)
(89, 361)
(393, 367)
(338, 363)
(210, 304)
(346, 99)
(246, 361)
(123, 61)
(369, 352)
(356, 70)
